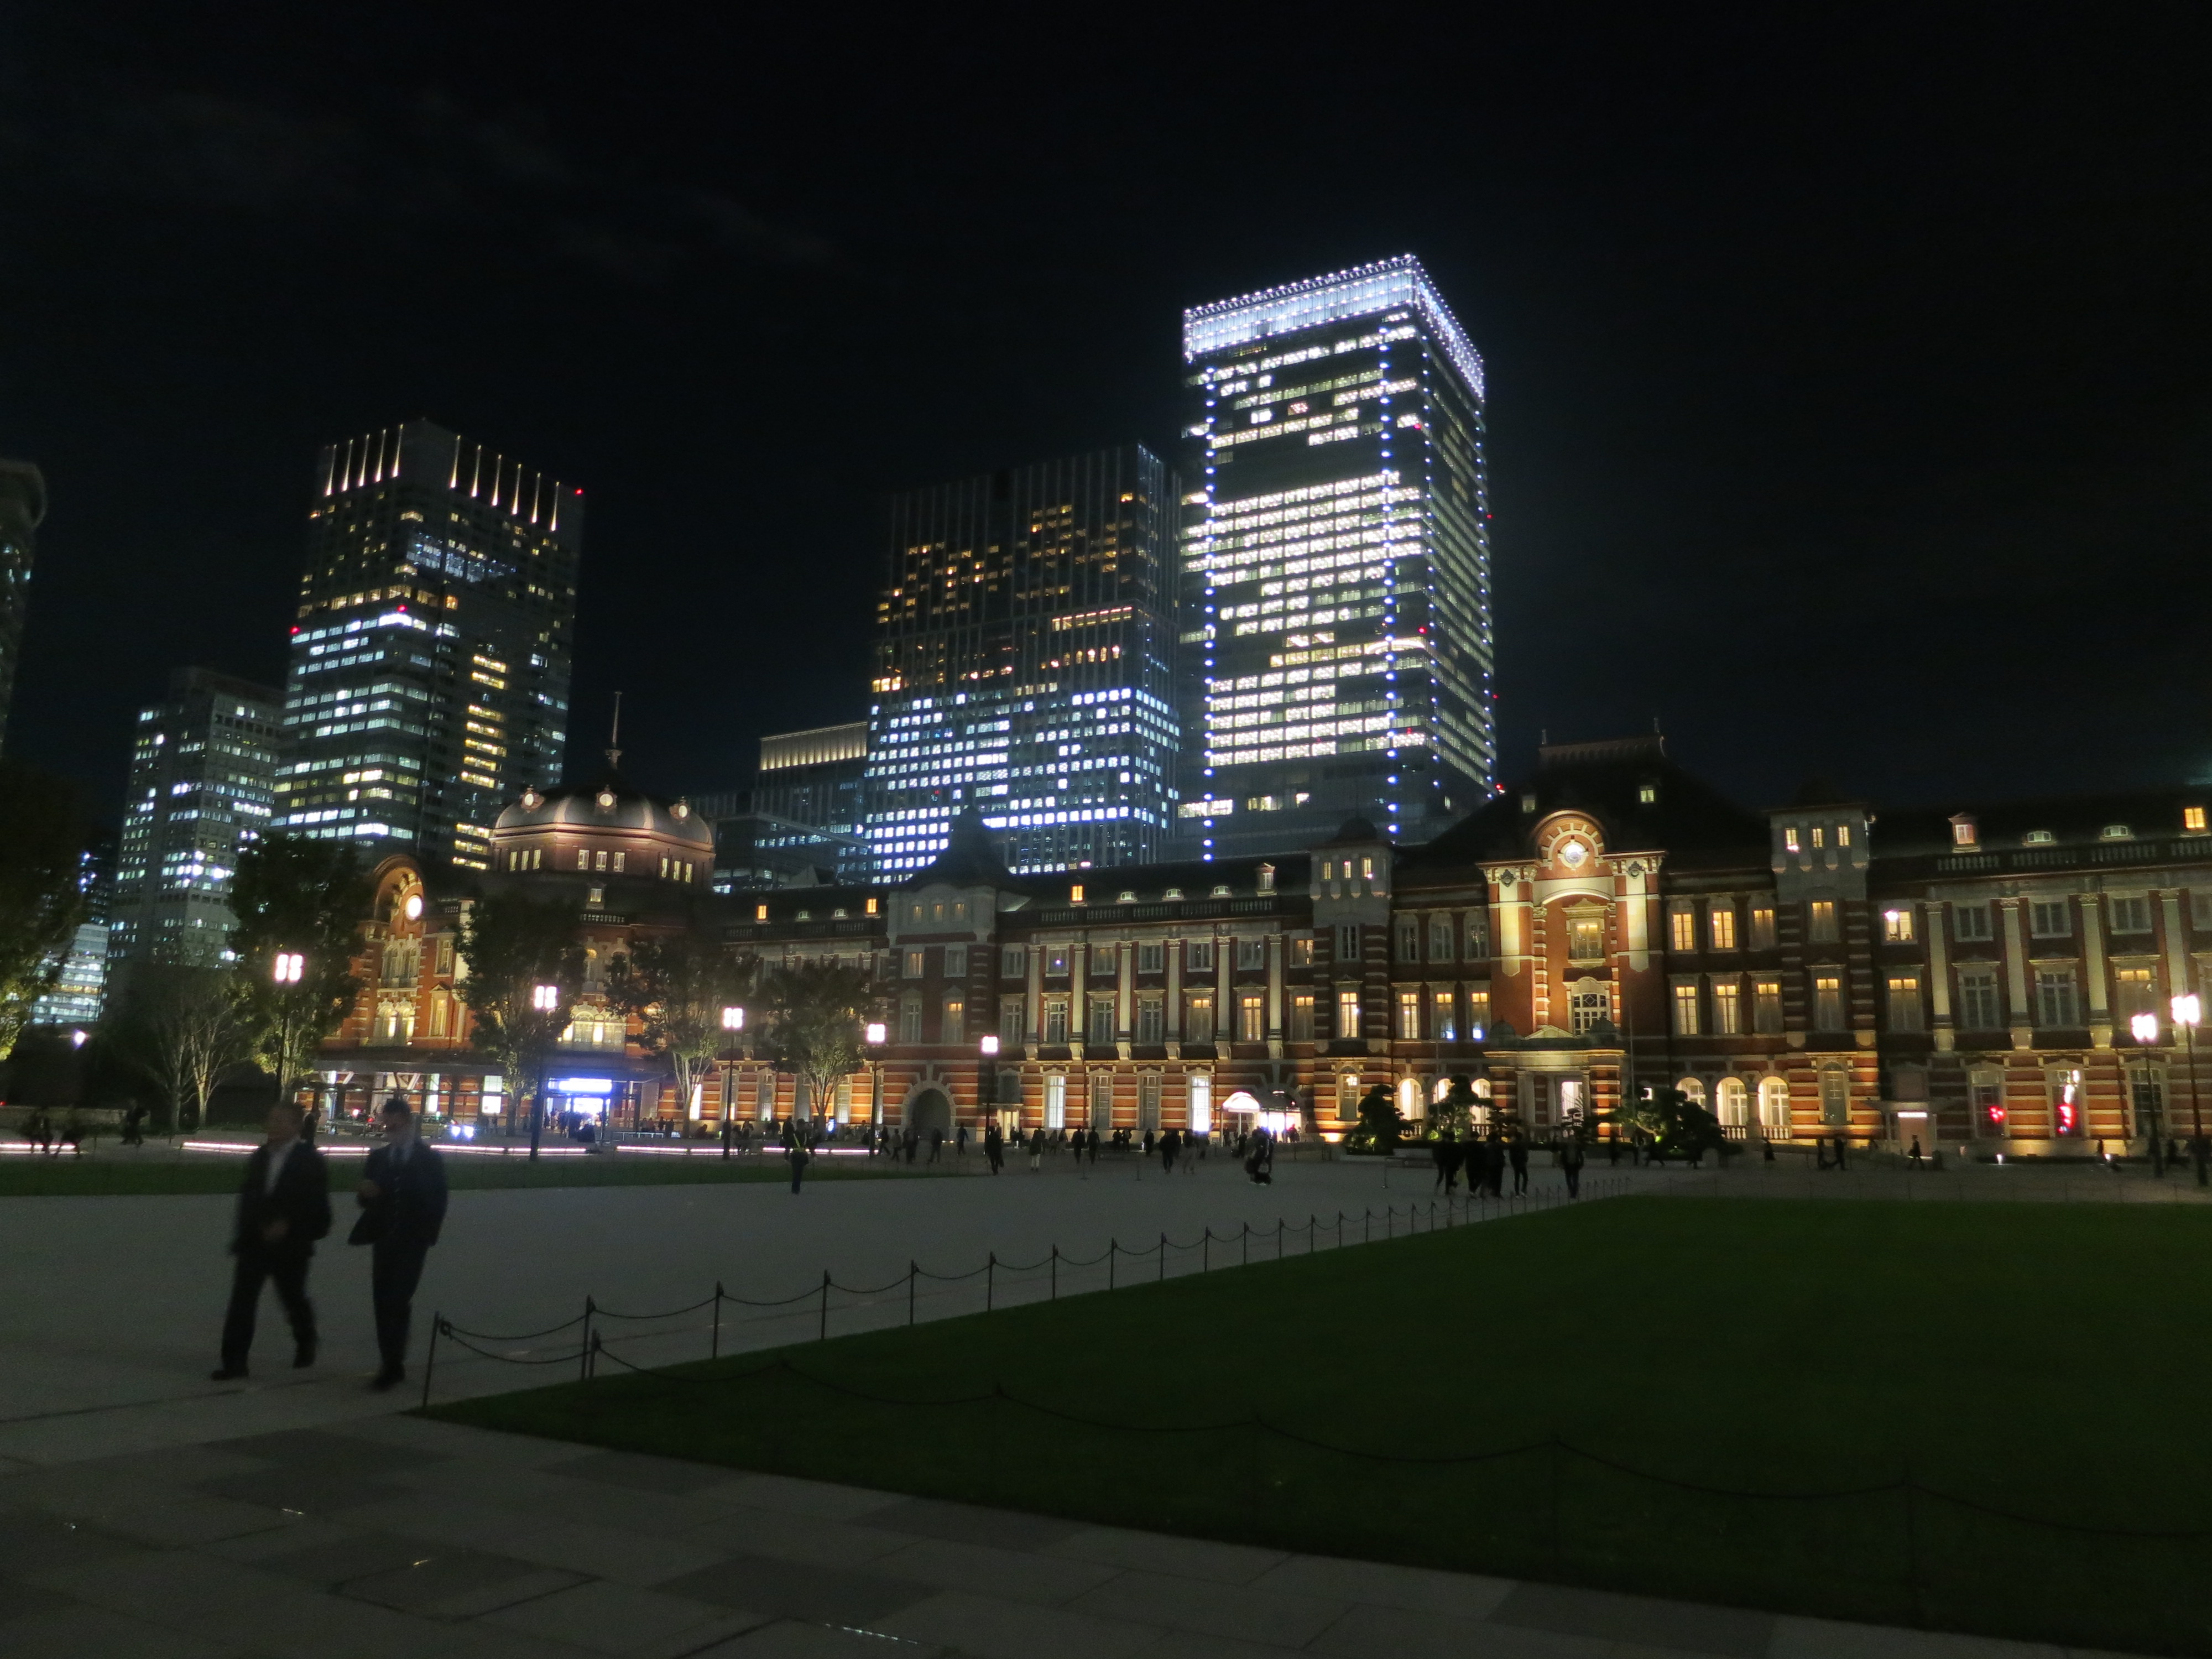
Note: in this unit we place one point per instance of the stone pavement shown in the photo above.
(401, 1537)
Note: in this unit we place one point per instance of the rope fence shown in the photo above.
(1276, 1244)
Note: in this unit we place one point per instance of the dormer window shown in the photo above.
(2038, 838)
(1963, 832)
(1221, 892)
(1647, 794)
(760, 913)
(1266, 877)
(1790, 840)
(2193, 819)
(1843, 835)
(1528, 801)
(1819, 837)
(2116, 832)
(1075, 893)
(1128, 895)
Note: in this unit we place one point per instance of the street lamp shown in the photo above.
(2186, 1013)
(875, 1035)
(287, 968)
(733, 1021)
(2144, 1028)
(544, 999)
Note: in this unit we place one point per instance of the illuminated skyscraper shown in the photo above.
(1335, 562)
(22, 505)
(203, 765)
(1024, 666)
(430, 674)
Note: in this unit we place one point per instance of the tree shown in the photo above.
(1674, 1123)
(677, 987)
(42, 837)
(303, 901)
(524, 969)
(812, 1025)
(1452, 1118)
(180, 1026)
(1380, 1128)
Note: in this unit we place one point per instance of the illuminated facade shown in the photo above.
(22, 505)
(1024, 666)
(430, 656)
(802, 821)
(203, 765)
(1335, 565)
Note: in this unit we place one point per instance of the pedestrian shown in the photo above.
(1914, 1153)
(1613, 1149)
(1171, 1144)
(936, 1143)
(1492, 1156)
(312, 1125)
(1519, 1154)
(1260, 1162)
(1148, 1143)
(800, 1156)
(1091, 1145)
(1571, 1165)
(403, 1207)
(284, 1207)
(1821, 1153)
(913, 1145)
(1767, 1147)
(1842, 1161)
(960, 1145)
(1440, 1154)
(1036, 1148)
(995, 1148)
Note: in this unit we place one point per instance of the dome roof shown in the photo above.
(607, 802)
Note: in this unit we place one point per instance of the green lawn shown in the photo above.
(115, 1173)
(2047, 1361)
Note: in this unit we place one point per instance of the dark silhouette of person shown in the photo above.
(1914, 1153)
(1036, 1148)
(913, 1144)
(1821, 1153)
(402, 1210)
(801, 1155)
(1447, 1154)
(960, 1143)
(1518, 1152)
(1091, 1146)
(283, 1208)
(1260, 1161)
(1493, 1164)
(131, 1120)
(1171, 1146)
(936, 1143)
(995, 1148)
(1571, 1165)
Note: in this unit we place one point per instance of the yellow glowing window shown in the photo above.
(2192, 817)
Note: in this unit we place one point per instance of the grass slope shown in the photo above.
(2043, 1360)
(115, 1174)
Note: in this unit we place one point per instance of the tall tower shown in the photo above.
(22, 505)
(203, 766)
(429, 676)
(1335, 558)
(1025, 666)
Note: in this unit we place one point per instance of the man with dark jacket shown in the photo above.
(402, 1206)
(284, 1207)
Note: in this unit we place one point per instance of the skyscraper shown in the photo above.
(429, 675)
(1335, 564)
(203, 765)
(1024, 666)
(22, 505)
(79, 995)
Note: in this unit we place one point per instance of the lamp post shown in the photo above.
(2145, 1029)
(733, 1021)
(2186, 1013)
(874, 1035)
(544, 1000)
(987, 1082)
(286, 972)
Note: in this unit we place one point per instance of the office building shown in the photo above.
(1025, 665)
(79, 995)
(801, 822)
(204, 767)
(430, 659)
(22, 506)
(1335, 565)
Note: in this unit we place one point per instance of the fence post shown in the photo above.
(912, 1268)
(584, 1350)
(1206, 1250)
(1054, 1297)
(1911, 1547)
(822, 1332)
(990, 1281)
(1112, 1245)
(714, 1342)
(1247, 1238)
(430, 1359)
(1313, 1230)
(1367, 1228)
(1162, 1278)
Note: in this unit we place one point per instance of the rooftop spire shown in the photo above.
(614, 737)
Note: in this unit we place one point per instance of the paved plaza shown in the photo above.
(144, 1510)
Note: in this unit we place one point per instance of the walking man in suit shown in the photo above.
(284, 1207)
(402, 1206)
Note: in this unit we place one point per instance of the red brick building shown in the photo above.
(1960, 977)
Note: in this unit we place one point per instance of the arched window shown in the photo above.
(1774, 1107)
(1692, 1090)
(1409, 1098)
(1731, 1101)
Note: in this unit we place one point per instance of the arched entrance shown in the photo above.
(927, 1109)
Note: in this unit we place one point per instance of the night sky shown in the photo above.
(1850, 368)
